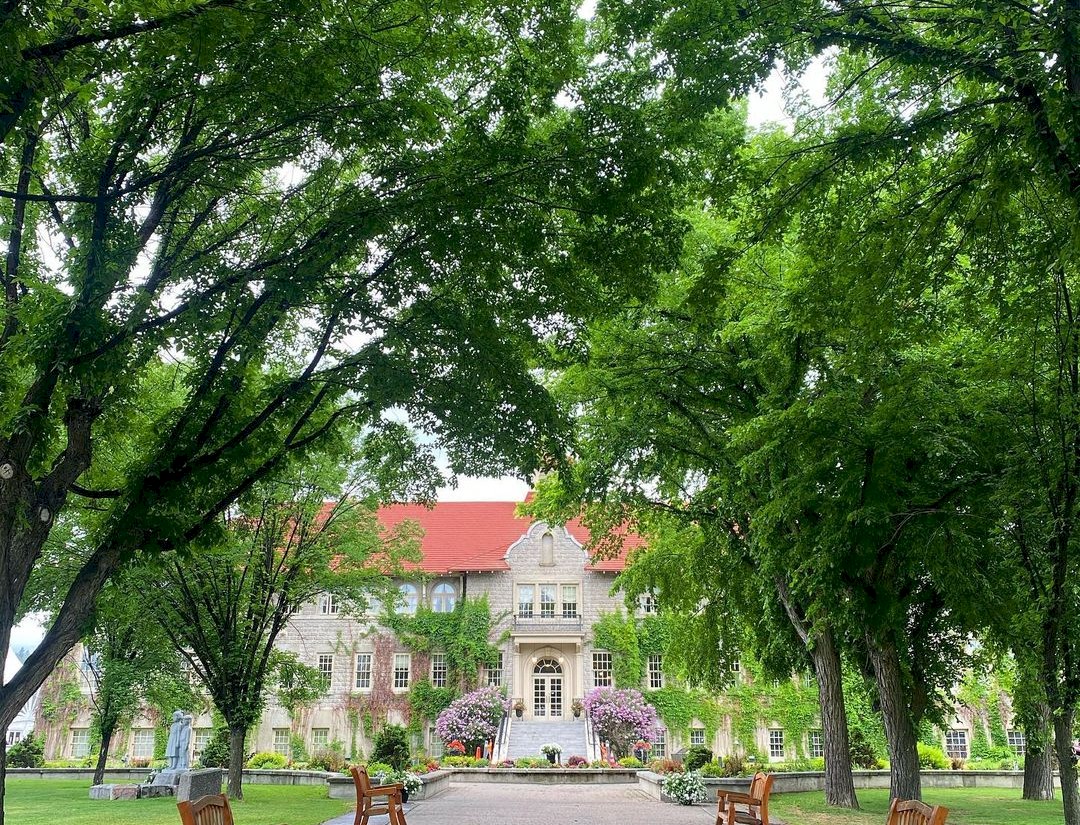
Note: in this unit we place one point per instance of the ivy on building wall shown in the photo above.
(463, 635)
(618, 633)
(985, 696)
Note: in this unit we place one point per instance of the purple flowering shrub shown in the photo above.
(621, 717)
(474, 718)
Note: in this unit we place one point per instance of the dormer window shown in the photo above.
(547, 550)
(443, 598)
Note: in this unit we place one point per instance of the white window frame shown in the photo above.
(443, 598)
(697, 737)
(659, 746)
(956, 743)
(815, 744)
(402, 665)
(282, 742)
(495, 674)
(328, 604)
(320, 737)
(435, 744)
(142, 743)
(201, 738)
(362, 675)
(439, 670)
(603, 674)
(1017, 740)
(655, 670)
(410, 598)
(548, 605)
(647, 604)
(777, 745)
(80, 743)
(526, 608)
(325, 665)
(569, 607)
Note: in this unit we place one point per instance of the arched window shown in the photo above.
(547, 550)
(443, 598)
(410, 597)
(547, 666)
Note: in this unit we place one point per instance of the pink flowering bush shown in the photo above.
(621, 717)
(474, 718)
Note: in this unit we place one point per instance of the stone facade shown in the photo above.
(545, 595)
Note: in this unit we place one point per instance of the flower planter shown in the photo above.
(551, 757)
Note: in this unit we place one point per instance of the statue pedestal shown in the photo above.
(168, 778)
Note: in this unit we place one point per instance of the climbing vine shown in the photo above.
(617, 633)
(463, 635)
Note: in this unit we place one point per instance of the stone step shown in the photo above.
(526, 737)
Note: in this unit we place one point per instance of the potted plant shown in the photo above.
(576, 708)
(551, 750)
(519, 708)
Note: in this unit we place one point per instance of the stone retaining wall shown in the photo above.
(650, 783)
(139, 775)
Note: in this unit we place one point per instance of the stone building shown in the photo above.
(545, 595)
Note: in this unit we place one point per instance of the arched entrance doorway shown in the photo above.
(547, 689)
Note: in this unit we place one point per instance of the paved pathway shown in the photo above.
(476, 803)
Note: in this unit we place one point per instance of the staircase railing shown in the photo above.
(498, 752)
(592, 743)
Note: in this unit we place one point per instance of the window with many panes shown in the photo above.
(569, 601)
(142, 743)
(283, 742)
(435, 743)
(647, 603)
(363, 671)
(410, 598)
(776, 743)
(601, 668)
(656, 671)
(525, 601)
(80, 742)
(328, 603)
(956, 743)
(659, 745)
(1017, 741)
(326, 667)
(443, 598)
(320, 737)
(697, 737)
(547, 601)
(438, 670)
(815, 742)
(495, 673)
(402, 663)
(202, 739)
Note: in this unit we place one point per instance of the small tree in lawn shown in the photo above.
(474, 718)
(279, 550)
(621, 717)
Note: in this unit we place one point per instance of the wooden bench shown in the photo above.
(368, 796)
(745, 808)
(207, 810)
(913, 812)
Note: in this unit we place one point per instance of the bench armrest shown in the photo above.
(741, 798)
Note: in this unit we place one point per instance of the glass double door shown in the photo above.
(547, 689)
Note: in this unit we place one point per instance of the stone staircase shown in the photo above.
(527, 735)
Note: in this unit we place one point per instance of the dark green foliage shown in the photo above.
(697, 756)
(216, 752)
(863, 752)
(29, 752)
(392, 747)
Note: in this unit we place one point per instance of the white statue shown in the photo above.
(176, 750)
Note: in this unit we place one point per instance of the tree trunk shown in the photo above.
(1038, 758)
(1063, 739)
(839, 782)
(3, 773)
(236, 762)
(103, 754)
(904, 779)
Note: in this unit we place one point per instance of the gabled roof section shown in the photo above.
(473, 536)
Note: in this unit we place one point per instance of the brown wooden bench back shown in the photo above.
(207, 810)
(913, 812)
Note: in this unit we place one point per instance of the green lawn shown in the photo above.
(967, 806)
(48, 802)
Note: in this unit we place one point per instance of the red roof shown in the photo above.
(464, 536)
